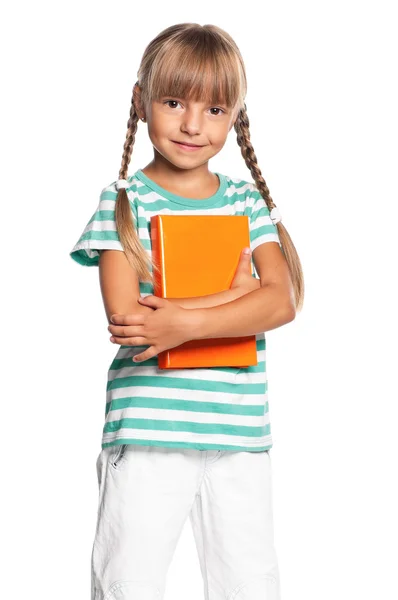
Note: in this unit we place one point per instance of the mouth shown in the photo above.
(187, 145)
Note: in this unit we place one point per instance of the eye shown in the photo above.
(216, 108)
(212, 108)
(167, 102)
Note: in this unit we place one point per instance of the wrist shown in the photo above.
(237, 292)
(197, 321)
(198, 317)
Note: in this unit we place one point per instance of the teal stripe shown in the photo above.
(189, 405)
(240, 184)
(163, 425)
(260, 231)
(193, 446)
(142, 224)
(118, 363)
(108, 195)
(81, 258)
(218, 387)
(145, 288)
(160, 203)
(121, 363)
(100, 235)
(103, 215)
(256, 232)
(147, 245)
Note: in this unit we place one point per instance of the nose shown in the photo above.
(191, 121)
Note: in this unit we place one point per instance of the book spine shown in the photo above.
(158, 278)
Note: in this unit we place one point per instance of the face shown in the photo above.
(175, 121)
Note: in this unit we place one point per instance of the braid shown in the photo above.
(287, 246)
(132, 126)
(243, 138)
(127, 230)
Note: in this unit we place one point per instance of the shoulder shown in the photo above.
(111, 187)
(247, 192)
(108, 195)
(244, 189)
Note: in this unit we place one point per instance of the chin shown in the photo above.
(182, 162)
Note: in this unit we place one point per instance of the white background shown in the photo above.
(322, 103)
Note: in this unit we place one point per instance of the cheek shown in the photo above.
(218, 139)
(162, 133)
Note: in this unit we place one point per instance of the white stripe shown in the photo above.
(227, 209)
(164, 414)
(105, 225)
(200, 375)
(262, 221)
(232, 190)
(262, 239)
(187, 394)
(107, 205)
(101, 244)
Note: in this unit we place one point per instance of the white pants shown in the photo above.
(146, 494)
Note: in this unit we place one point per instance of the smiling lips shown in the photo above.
(187, 146)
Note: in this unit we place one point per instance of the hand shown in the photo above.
(167, 326)
(243, 280)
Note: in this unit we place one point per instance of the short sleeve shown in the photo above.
(100, 233)
(262, 229)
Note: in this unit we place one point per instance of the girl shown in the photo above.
(187, 442)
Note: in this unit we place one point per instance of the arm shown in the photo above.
(242, 283)
(120, 288)
(170, 325)
(209, 300)
(119, 285)
(266, 308)
(255, 312)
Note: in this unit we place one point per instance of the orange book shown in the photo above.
(198, 255)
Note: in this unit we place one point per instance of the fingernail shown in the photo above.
(246, 251)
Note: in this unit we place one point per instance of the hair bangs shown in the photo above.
(200, 74)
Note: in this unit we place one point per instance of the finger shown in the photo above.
(244, 261)
(152, 301)
(126, 330)
(128, 319)
(245, 254)
(149, 353)
(129, 341)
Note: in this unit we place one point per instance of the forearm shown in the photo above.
(196, 302)
(209, 300)
(258, 311)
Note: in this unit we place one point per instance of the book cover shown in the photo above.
(198, 255)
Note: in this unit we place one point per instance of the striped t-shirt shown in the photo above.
(204, 408)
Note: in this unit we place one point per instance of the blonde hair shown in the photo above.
(202, 63)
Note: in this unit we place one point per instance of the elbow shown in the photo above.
(128, 309)
(289, 311)
(286, 302)
(289, 314)
(289, 303)
(285, 315)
